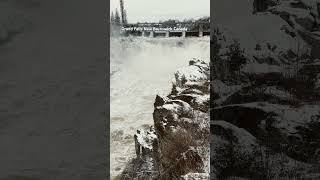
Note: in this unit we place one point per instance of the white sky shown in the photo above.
(155, 10)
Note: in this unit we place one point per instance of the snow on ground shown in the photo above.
(251, 29)
(287, 117)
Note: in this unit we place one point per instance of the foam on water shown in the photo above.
(140, 69)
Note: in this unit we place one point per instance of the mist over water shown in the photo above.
(140, 69)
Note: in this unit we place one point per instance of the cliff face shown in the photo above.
(265, 112)
(182, 123)
(178, 144)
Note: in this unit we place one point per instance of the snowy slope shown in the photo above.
(265, 84)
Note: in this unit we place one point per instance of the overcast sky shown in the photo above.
(155, 10)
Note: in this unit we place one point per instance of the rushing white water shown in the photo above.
(141, 68)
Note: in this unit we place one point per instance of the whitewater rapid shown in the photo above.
(141, 68)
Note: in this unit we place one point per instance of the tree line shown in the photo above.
(116, 19)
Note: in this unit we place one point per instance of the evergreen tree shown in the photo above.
(117, 19)
(112, 18)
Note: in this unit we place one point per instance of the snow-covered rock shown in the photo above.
(144, 141)
(185, 110)
(237, 154)
(196, 176)
(268, 93)
(179, 143)
(197, 72)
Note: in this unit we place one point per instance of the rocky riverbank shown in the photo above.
(177, 146)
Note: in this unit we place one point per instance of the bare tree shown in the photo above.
(125, 18)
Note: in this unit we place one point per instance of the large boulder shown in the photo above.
(237, 154)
